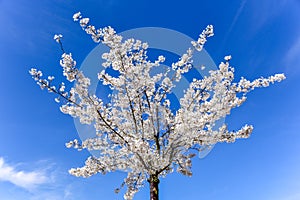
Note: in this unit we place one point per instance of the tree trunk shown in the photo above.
(153, 181)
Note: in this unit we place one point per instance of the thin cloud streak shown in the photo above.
(20, 178)
(236, 17)
(293, 52)
(291, 58)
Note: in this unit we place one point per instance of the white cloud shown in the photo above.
(294, 51)
(237, 15)
(291, 58)
(27, 180)
(44, 181)
(234, 21)
(265, 11)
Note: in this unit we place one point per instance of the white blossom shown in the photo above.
(57, 100)
(137, 132)
(77, 16)
(50, 78)
(68, 64)
(161, 58)
(57, 38)
(62, 87)
(227, 58)
(145, 45)
(84, 22)
(208, 32)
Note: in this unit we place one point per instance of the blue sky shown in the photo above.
(263, 38)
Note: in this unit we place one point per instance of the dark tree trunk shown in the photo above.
(153, 181)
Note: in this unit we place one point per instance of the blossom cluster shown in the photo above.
(137, 132)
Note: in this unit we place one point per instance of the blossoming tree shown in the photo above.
(137, 132)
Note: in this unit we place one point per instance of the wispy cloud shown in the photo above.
(44, 181)
(266, 11)
(294, 51)
(235, 19)
(27, 180)
(237, 15)
(291, 58)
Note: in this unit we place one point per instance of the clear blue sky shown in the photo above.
(262, 36)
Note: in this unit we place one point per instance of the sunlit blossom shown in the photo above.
(57, 38)
(137, 132)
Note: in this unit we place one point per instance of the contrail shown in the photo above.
(237, 15)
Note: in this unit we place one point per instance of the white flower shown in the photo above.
(208, 32)
(84, 22)
(227, 58)
(62, 87)
(77, 16)
(50, 78)
(145, 45)
(32, 71)
(69, 144)
(161, 58)
(57, 38)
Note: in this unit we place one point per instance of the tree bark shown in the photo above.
(153, 181)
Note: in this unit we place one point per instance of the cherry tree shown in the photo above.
(137, 132)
